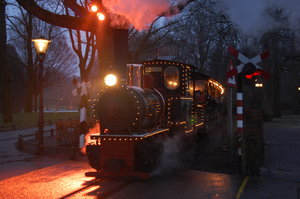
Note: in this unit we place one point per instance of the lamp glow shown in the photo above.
(100, 16)
(41, 45)
(110, 80)
(94, 8)
(259, 85)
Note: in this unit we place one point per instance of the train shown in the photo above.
(156, 100)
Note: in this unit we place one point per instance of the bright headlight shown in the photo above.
(110, 80)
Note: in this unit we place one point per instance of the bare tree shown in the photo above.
(204, 36)
(59, 63)
(84, 45)
(146, 43)
(83, 20)
(4, 69)
(284, 62)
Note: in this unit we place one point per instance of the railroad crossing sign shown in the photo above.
(231, 82)
(250, 63)
(247, 68)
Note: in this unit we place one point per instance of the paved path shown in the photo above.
(14, 162)
(281, 171)
(282, 148)
(61, 179)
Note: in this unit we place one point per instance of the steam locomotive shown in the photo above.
(158, 99)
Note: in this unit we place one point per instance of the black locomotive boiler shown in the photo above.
(157, 100)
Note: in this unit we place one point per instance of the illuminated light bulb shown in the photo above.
(41, 45)
(100, 16)
(110, 80)
(94, 8)
(258, 85)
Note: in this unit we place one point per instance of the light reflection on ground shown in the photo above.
(62, 179)
(50, 182)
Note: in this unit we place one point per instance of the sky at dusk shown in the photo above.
(250, 15)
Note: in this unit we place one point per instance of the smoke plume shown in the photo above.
(171, 158)
(87, 140)
(139, 13)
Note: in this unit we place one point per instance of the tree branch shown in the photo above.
(86, 22)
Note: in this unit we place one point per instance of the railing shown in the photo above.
(65, 140)
(287, 113)
(10, 126)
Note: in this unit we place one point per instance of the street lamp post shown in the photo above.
(41, 47)
(299, 100)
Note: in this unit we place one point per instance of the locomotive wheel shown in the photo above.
(93, 154)
(147, 154)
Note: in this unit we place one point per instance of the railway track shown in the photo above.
(104, 193)
(94, 182)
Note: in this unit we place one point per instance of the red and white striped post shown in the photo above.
(239, 120)
(253, 69)
(82, 89)
(240, 124)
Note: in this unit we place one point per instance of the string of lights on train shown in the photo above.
(111, 80)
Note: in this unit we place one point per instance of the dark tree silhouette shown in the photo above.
(4, 69)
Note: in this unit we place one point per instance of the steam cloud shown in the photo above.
(170, 159)
(93, 130)
(140, 13)
(251, 17)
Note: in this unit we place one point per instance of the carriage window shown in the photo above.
(171, 76)
(199, 86)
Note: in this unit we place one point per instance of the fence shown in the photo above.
(60, 142)
(10, 126)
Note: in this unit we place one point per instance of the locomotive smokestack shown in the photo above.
(120, 52)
